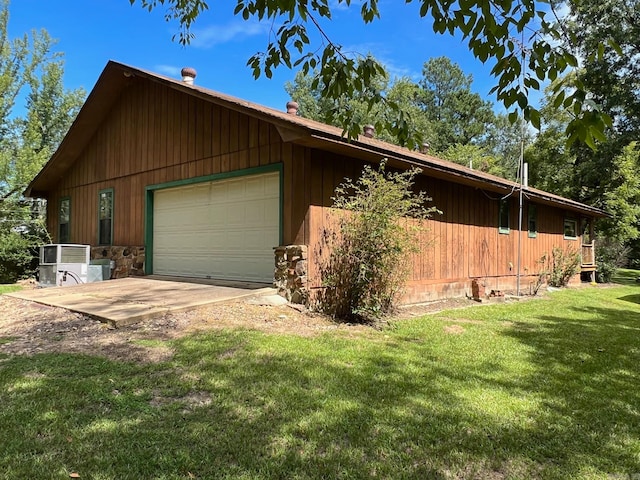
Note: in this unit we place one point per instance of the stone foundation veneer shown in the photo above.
(290, 276)
(129, 261)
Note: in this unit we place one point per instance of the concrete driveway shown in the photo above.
(130, 300)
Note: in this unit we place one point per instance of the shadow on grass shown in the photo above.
(625, 276)
(631, 298)
(586, 370)
(245, 405)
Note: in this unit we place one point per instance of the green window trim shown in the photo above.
(503, 216)
(105, 216)
(64, 220)
(532, 221)
(570, 229)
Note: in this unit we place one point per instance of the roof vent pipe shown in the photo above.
(525, 175)
(292, 107)
(369, 131)
(424, 148)
(188, 75)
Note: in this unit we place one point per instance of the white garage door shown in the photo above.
(223, 229)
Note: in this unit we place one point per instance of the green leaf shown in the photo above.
(614, 45)
(558, 99)
(534, 117)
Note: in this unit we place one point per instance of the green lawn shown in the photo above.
(541, 389)
(9, 288)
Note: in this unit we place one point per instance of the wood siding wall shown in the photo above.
(461, 243)
(155, 135)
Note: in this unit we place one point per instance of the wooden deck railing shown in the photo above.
(588, 255)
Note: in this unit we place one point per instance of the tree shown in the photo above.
(401, 91)
(27, 66)
(520, 40)
(551, 161)
(441, 109)
(474, 156)
(505, 141)
(622, 198)
(612, 79)
(363, 106)
(456, 115)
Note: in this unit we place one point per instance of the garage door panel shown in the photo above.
(225, 229)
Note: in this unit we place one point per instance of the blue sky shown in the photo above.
(91, 32)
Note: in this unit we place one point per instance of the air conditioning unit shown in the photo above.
(64, 264)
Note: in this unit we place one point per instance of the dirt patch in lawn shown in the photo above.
(28, 328)
(453, 329)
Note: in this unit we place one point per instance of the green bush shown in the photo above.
(564, 265)
(556, 270)
(611, 254)
(370, 248)
(18, 258)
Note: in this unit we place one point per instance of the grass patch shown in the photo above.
(626, 276)
(9, 288)
(538, 389)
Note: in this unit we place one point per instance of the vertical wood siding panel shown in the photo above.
(224, 131)
(264, 133)
(234, 161)
(254, 132)
(140, 147)
(275, 152)
(162, 134)
(265, 154)
(174, 127)
(133, 233)
(254, 157)
(183, 127)
(199, 130)
(243, 133)
(150, 156)
(216, 131)
(298, 210)
(468, 231)
(287, 201)
(207, 113)
(233, 131)
(190, 121)
(327, 180)
(317, 170)
(442, 234)
(437, 235)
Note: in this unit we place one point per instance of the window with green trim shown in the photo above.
(532, 220)
(64, 220)
(570, 229)
(105, 217)
(503, 221)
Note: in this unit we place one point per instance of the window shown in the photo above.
(532, 215)
(503, 222)
(570, 228)
(105, 217)
(64, 215)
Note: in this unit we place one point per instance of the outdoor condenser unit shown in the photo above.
(64, 264)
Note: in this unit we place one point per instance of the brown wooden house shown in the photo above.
(169, 178)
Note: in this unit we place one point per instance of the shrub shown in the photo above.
(611, 254)
(369, 250)
(17, 257)
(564, 265)
(556, 270)
(22, 230)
